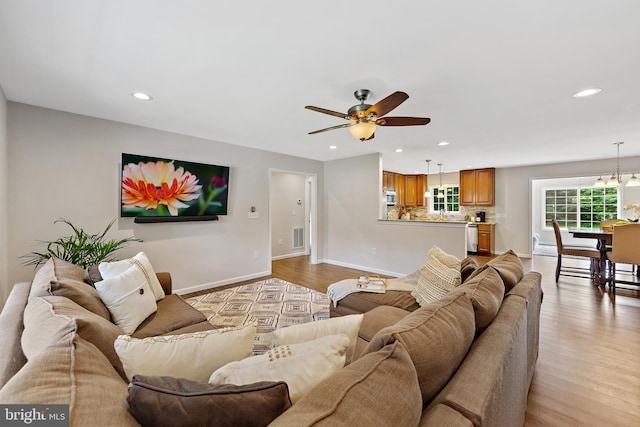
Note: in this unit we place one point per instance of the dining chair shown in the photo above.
(575, 250)
(625, 251)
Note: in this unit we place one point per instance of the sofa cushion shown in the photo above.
(381, 389)
(128, 297)
(486, 291)
(53, 269)
(168, 401)
(361, 302)
(12, 325)
(379, 318)
(173, 313)
(141, 262)
(436, 280)
(82, 294)
(43, 317)
(348, 325)
(510, 268)
(192, 356)
(301, 366)
(437, 337)
(74, 372)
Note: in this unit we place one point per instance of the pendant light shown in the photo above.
(441, 189)
(427, 193)
(616, 178)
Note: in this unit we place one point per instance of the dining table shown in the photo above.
(604, 238)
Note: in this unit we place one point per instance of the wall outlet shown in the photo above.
(279, 242)
(374, 251)
(256, 254)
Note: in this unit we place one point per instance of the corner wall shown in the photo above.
(67, 165)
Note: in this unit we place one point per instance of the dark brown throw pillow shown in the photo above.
(92, 275)
(467, 267)
(168, 401)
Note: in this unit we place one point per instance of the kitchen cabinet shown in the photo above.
(486, 239)
(477, 187)
(388, 181)
(410, 189)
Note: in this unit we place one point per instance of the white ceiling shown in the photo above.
(495, 76)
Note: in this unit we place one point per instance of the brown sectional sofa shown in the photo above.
(465, 360)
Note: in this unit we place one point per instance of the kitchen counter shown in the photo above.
(423, 221)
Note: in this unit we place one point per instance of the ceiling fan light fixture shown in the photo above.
(362, 130)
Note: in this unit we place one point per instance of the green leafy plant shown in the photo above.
(80, 248)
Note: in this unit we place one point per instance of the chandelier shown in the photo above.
(616, 178)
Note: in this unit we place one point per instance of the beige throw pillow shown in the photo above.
(128, 298)
(193, 356)
(301, 366)
(112, 269)
(449, 260)
(436, 280)
(348, 325)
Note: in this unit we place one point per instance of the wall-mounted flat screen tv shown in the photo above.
(167, 189)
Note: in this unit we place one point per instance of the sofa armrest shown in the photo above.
(165, 281)
(11, 326)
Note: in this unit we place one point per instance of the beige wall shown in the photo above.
(67, 165)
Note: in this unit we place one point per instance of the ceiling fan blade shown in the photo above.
(389, 103)
(402, 121)
(331, 128)
(325, 111)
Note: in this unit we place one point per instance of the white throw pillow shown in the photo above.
(192, 356)
(301, 366)
(348, 325)
(112, 269)
(436, 280)
(128, 298)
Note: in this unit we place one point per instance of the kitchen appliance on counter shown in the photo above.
(472, 239)
(481, 216)
(391, 198)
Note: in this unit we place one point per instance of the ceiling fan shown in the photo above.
(364, 118)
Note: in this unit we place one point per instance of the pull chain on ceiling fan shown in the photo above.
(365, 118)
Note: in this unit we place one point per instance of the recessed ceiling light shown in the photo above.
(587, 92)
(443, 143)
(332, 147)
(142, 96)
(398, 150)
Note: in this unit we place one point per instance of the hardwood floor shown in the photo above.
(588, 369)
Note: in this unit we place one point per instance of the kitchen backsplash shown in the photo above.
(418, 213)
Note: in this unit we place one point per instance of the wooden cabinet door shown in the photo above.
(485, 188)
(421, 187)
(410, 190)
(484, 242)
(388, 181)
(467, 187)
(400, 190)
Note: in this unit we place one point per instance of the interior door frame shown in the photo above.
(311, 211)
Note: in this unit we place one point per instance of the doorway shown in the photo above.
(292, 214)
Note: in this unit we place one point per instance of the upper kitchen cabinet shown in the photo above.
(388, 181)
(477, 187)
(414, 188)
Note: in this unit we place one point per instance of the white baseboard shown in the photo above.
(362, 267)
(293, 255)
(220, 283)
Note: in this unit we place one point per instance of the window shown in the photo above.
(580, 207)
(450, 202)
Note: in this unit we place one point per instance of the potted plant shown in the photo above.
(80, 248)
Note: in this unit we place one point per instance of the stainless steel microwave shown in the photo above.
(391, 197)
